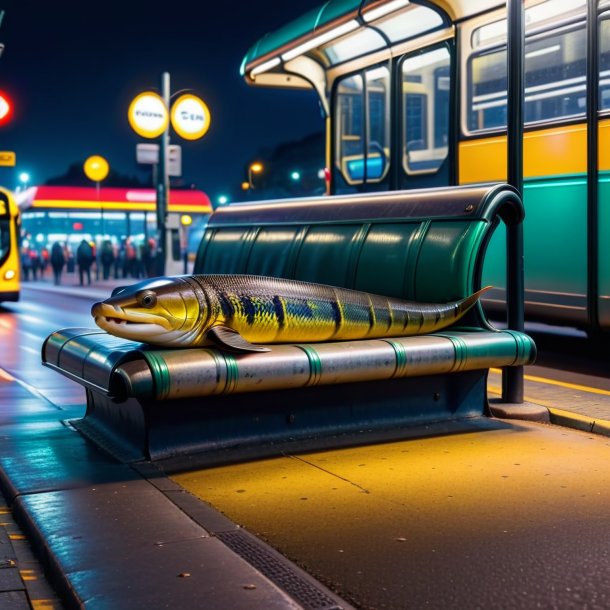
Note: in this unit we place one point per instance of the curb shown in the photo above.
(579, 422)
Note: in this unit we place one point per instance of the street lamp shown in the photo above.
(296, 176)
(223, 199)
(24, 178)
(254, 168)
(96, 169)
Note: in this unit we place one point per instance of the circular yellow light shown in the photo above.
(96, 168)
(148, 115)
(190, 117)
(9, 275)
(257, 167)
(186, 220)
(245, 186)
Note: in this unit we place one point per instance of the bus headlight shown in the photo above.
(9, 275)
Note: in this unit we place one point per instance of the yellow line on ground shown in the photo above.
(599, 424)
(562, 384)
(497, 390)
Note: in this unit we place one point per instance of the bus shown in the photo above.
(69, 214)
(9, 247)
(415, 96)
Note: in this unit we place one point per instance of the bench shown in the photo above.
(203, 406)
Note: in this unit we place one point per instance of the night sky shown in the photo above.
(72, 68)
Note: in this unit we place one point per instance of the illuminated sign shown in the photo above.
(6, 108)
(190, 117)
(148, 115)
(7, 158)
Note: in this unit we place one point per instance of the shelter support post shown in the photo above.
(512, 378)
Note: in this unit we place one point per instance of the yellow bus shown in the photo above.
(415, 96)
(9, 247)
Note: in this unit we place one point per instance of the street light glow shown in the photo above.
(295, 175)
(256, 167)
(24, 177)
(223, 199)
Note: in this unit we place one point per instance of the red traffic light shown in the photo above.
(6, 108)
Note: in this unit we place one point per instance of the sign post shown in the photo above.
(163, 182)
(96, 169)
(149, 117)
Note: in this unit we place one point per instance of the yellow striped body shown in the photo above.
(237, 311)
(270, 310)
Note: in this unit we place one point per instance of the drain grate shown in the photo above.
(278, 571)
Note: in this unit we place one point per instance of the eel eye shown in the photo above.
(147, 299)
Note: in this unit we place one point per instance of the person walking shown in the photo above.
(58, 260)
(36, 263)
(84, 259)
(107, 258)
(26, 263)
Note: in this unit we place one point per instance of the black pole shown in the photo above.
(512, 377)
(592, 167)
(163, 182)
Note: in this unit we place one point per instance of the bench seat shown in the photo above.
(124, 369)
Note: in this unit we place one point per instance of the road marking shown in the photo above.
(31, 350)
(561, 384)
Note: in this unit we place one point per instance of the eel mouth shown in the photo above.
(113, 320)
(116, 321)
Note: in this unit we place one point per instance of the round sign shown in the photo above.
(96, 168)
(148, 115)
(6, 108)
(190, 117)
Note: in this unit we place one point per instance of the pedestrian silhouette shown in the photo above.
(58, 260)
(84, 259)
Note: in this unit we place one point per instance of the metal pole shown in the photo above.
(512, 377)
(163, 182)
(592, 167)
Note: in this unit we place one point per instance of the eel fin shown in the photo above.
(230, 340)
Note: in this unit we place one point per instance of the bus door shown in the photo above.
(362, 131)
(424, 79)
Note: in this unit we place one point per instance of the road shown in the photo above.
(23, 328)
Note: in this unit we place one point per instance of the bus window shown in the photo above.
(604, 63)
(488, 85)
(555, 72)
(350, 126)
(425, 87)
(362, 118)
(377, 85)
(555, 67)
(5, 237)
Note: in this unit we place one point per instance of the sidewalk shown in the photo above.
(70, 285)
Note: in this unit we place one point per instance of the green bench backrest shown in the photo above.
(419, 245)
